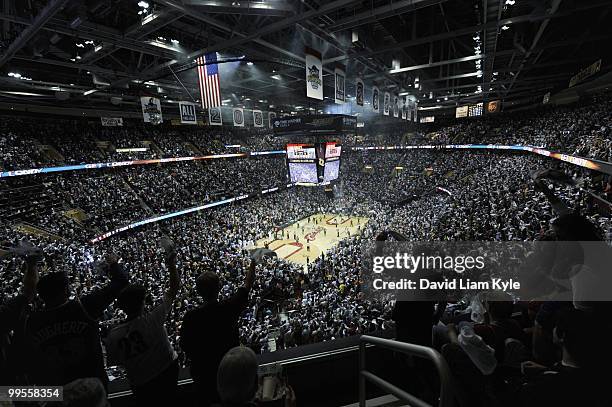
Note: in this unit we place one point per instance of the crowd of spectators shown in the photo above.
(425, 195)
(584, 130)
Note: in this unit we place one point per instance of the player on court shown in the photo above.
(141, 343)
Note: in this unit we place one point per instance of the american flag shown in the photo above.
(208, 74)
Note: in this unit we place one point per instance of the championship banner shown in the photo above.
(258, 118)
(395, 106)
(214, 116)
(386, 104)
(404, 111)
(314, 74)
(111, 121)
(271, 117)
(238, 116)
(340, 82)
(187, 111)
(151, 110)
(375, 99)
(359, 92)
(414, 108)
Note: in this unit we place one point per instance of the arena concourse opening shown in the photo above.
(268, 203)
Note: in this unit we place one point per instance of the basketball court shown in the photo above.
(308, 238)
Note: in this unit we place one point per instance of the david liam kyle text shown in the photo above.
(453, 284)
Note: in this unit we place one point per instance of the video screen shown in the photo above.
(332, 170)
(332, 150)
(301, 151)
(303, 172)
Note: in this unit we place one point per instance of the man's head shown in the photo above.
(87, 392)
(208, 285)
(53, 288)
(132, 299)
(237, 376)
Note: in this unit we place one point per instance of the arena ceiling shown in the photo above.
(83, 53)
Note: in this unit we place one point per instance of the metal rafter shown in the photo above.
(26, 35)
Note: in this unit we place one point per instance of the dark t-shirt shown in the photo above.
(209, 332)
(61, 345)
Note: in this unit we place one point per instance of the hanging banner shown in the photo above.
(395, 106)
(111, 121)
(258, 118)
(188, 113)
(340, 91)
(404, 107)
(314, 74)
(151, 110)
(359, 92)
(271, 117)
(214, 116)
(238, 115)
(386, 104)
(375, 99)
(414, 108)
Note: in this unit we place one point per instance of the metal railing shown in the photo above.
(445, 398)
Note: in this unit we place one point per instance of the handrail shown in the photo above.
(445, 399)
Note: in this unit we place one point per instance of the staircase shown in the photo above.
(50, 151)
(104, 147)
(131, 190)
(152, 146)
(190, 146)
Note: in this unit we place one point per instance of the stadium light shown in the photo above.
(505, 27)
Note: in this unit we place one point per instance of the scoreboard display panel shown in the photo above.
(303, 173)
(313, 164)
(301, 152)
(332, 171)
(332, 150)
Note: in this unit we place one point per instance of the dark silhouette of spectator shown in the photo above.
(61, 343)
(237, 380)
(576, 379)
(210, 331)
(12, 311)
(141, 344)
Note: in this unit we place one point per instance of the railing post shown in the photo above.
(362, 380)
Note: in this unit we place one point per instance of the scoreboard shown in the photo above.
(301, 152)
(313, 164)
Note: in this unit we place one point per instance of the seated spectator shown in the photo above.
(237, 380)
(500, 326)
(141, 343)
(576, 379)
(87, 392)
